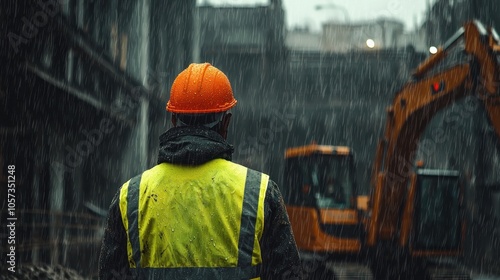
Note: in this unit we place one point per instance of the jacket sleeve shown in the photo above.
(280, 256)
(113, 260)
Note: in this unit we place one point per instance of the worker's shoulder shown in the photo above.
(237, 167)
(126, 184)
(271, 183)
(219, 163)
(246, 168)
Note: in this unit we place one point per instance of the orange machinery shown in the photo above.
(320, 198)
(412, 213)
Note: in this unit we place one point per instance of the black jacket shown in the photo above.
(194, 146)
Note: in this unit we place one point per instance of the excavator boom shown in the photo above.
(432, 89)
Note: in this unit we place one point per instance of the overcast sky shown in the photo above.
(304, 13)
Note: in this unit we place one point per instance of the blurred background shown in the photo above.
(84, 84)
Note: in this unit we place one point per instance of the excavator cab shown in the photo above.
(438, 223)
(320, 194)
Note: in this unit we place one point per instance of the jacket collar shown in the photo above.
(189, 145)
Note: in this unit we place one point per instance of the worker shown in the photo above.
(196, 214)
(334, 191)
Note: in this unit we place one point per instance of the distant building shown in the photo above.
(83, 88)
(303, 40)
(416, 39)
(225, 33)
(248, 44)
(343, 37)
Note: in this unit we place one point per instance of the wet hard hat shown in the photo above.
(200, 89)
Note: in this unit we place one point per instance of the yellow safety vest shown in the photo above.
(195, 222)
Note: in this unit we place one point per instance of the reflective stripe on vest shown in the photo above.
(132, 212)
(185, 231)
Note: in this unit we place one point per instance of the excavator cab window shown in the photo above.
(437, 224)
(321, 181)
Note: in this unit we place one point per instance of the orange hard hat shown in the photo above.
(199, 89)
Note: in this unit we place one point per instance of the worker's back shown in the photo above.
(196, 214)
(191, 216)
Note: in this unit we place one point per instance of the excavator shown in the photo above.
(413, 215)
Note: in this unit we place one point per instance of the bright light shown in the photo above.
(433, 50)
(370, 43)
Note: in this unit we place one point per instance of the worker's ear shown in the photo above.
(225, 124)
(174, 120)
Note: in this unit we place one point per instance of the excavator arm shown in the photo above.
(432, 88)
